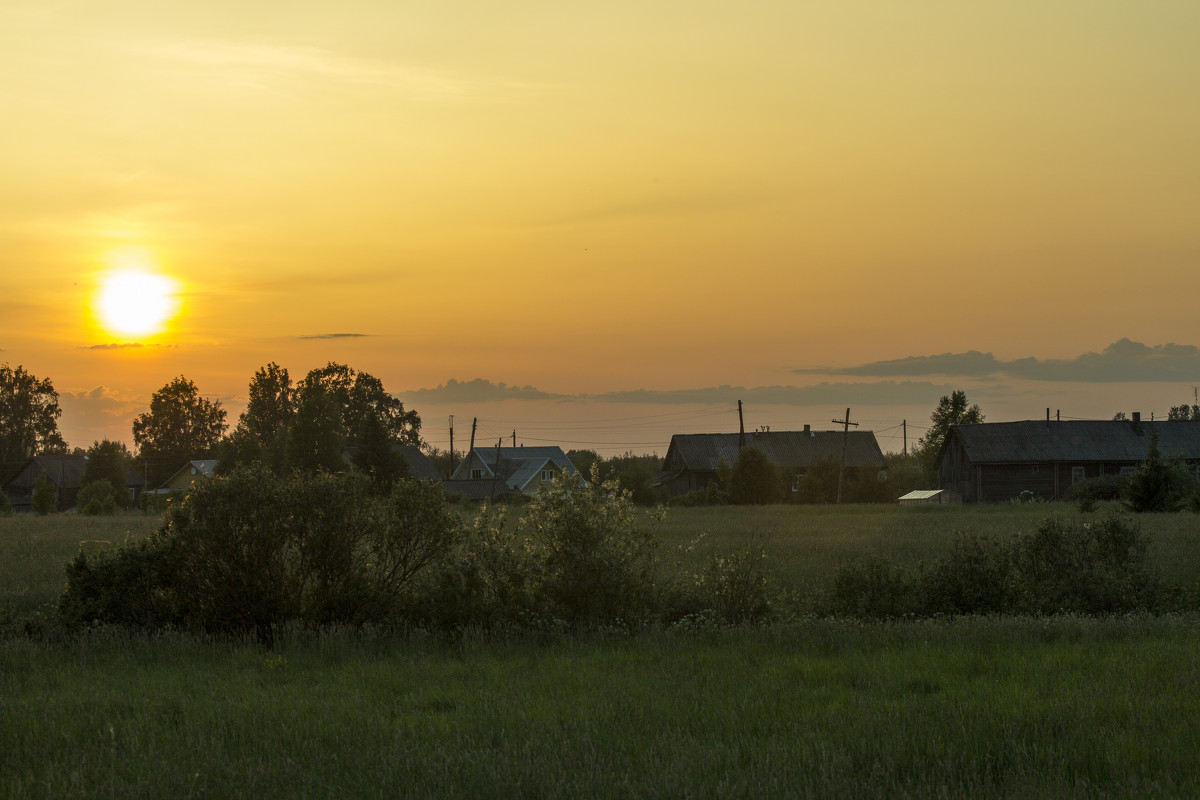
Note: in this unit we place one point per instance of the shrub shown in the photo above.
(6, 508)
(97, 497)
(594, 563)
(248, 550)
(1158, 484)
(755, 479)
(734, 585)
(871, 587)
(45, 496)
(976, 578)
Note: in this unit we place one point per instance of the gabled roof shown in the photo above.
(1031, 441)
(64, 471)
(202, 468)
(513, 464)
(419, 465)
(706, 452)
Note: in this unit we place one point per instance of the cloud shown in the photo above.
(335, 336)
(1121, 361)
(95, 414)
(478, 391)
(112, 346)
(877, 393)
(261, 64)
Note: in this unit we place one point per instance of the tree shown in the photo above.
(271, 404)
(109, 461)
(316, 438)
(951, 410)
(1158, 484)
(1184, 413)
(755, 478)
(358, 395)
(180, 426)
(29, 415)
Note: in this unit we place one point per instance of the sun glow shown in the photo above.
(133, 302)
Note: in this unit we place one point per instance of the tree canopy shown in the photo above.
(109, 461)
(29, 415)
(180, 426)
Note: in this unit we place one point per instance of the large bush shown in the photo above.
(248, 550)
(1080, 567)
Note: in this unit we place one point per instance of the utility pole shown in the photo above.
(846, 423)
(741, 428)
(496, 469)
(514, 437)
(904, 427)
(452, 464)
(474, 422)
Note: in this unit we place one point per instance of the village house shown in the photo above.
(65, 474)
(695, 460)
(491, 471)
(997, 461)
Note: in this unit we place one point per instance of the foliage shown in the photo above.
(952, 409)
(443, 460)
(585, 459)
(29, 415)
(819, 482)
(358, 396)
(180, 426)
(710, 495)
(595, 563)
(1060, 567)
(97, 497)
(872, 587)
(315, 440)
(490, 578)
(735, 585)
(633, 473)
(6, 509)
(45, 495)
(270, 405)
(250, 551)
(108, 461)
(1184, 413)
(755, 479)
(1158, 484)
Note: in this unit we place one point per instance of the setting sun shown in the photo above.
(131, 303)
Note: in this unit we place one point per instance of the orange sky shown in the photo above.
(652, 196)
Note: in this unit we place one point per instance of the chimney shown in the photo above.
(1137, 418)
(807, 429)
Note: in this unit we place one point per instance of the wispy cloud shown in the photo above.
(876, 393)
(335, 336)
(1121, 361)
(261, 64)
(126, 346)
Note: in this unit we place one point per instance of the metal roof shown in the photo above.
(708, 451)
(1072, 440)
(921, 494)
(515, 461)
(419, 465)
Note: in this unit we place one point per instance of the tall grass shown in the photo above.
(983, 708)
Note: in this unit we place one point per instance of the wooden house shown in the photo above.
(188, 474)
(997, 461)
(491, 471)
(65, 473)
(695, 460)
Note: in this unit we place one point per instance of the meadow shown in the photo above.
(981, 707)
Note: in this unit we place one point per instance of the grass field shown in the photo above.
(982, 707)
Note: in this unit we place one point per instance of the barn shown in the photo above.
(997, 461)
(694, 460)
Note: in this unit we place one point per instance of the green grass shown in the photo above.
(980, 708)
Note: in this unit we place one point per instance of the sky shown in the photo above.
(603, 226)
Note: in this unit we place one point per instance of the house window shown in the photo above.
(1078, 474)
(476, 474)
(1034, 469)
(547, 475)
